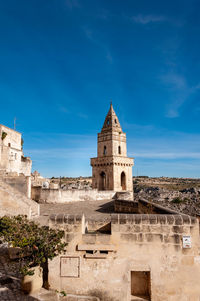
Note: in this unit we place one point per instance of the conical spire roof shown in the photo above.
(111, 122)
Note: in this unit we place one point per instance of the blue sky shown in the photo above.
(62, 61)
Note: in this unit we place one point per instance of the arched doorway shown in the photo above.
(102, 184)
(123, 180)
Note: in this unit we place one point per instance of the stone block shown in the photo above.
(136, 228)
(128, 237)
(170, 219)
(130, 218)
(165, 229)
(193, 220)
(138, 219)
(78, 219)
(177, 229)
(122, 218)
(186, 219)
(125, 228)
(145, 219)
(173, 239)
(152, 219)
(71, 219)
(60, 218)
(140, 237)
(146, 228)
(154, 237)
(162, 219)
(149, 237)
(52, 218)
(178, 220)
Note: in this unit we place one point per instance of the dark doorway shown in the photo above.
(141, 285)
(123, 181)
(102, 183)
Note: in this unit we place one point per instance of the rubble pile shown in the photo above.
(77, 185)
(185, 200)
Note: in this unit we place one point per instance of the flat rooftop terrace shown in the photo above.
(89, 208)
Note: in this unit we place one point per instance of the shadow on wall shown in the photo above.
(107, 207)
(102, 295)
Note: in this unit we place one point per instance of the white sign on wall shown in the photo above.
(187, 242)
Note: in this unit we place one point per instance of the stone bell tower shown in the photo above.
(112, 169)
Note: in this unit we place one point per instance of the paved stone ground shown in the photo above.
(89, 208)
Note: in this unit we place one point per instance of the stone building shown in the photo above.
(11, 153)
(112, 169)
(15, 169)
(128, 257)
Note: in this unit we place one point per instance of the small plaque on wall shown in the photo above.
(70, 266)
(187, 242)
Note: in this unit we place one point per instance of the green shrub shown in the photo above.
(3, 135)
(37, 243)
(177, 200)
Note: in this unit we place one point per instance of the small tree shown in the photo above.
(37, 243)
(3, 135)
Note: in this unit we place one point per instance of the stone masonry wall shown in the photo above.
(103, 263)
(63, 196)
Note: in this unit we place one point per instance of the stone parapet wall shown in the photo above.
(125, 206)
(64, 196)
(141, 206)
(147, 229)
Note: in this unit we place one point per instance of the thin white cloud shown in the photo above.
(109, 57)
(180, 91)
(82, 115)
(90, 35)
(146, 19)
(167, 155)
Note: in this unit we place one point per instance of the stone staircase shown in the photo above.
(12, 202)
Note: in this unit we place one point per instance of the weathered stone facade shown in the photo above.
(128, 257)
(11, 153)
(112, 169)
(15, 169)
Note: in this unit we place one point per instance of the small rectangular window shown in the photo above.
(103, 252)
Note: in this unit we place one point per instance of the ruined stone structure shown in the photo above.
(11, 153)
(112, 169)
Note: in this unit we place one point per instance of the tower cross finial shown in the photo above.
(111, 102)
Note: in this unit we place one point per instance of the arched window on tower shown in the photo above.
(104, 150)
(119, 150)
